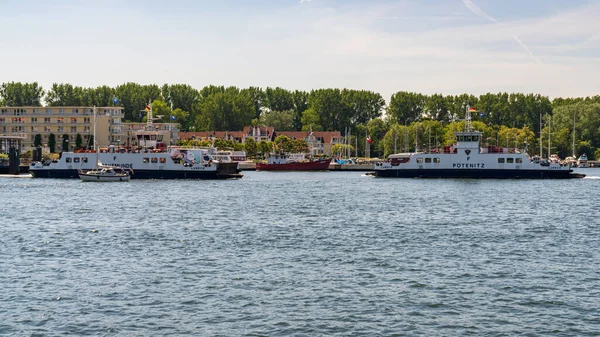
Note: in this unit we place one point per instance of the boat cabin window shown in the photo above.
(510, 160)
(475, 138)
(145, 160)
(76, 160)
(467, 138)
(436, 160)
(68, 159)
(163, 160)
(519, 160)
(460, 138)
(154, 160)
(500, 160)
(428, 160)
(419, 160)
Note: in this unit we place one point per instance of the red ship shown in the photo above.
(288, 162)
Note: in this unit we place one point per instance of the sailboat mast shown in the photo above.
(573, 149)
(541, 150)
(95, 139)
(549, 135)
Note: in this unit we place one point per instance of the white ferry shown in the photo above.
(152, 159)
(174, 163)
(466, 159)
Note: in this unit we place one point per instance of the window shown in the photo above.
(500, 160)
(46, 120)
(510, 160)
(467, 138)
(475, 138)
(460, 138)
(73, 129)
(420, 160)
(76, 160)
(60, 129)
(73, 120)
(163, 160)
(68, 160)
(519, 160)
(436, 160)
(34, 120)
(145, 160)
(155, 160)
(84, 159)
(428, 160)
(59, 120)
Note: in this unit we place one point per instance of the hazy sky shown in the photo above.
(551, 47)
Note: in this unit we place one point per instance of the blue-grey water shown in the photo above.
(300, 254)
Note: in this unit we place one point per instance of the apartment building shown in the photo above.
(29, 121)
(26, 122)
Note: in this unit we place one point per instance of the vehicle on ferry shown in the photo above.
(466, 159)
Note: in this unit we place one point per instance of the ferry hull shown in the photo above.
(142, 174)
(477, 174)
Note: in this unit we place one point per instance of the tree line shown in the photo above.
(408, 121)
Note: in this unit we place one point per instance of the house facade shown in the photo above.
(320, 141)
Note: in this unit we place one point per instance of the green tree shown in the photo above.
(65, 143)
(284, 143)
(265, 147)
(279, 99)
(134, 98)
(311, 120)
(37, 140)
(65, 94)
(251, 148)
(52, 142)
(405, 107)
(78, 142)
(280, 120)
(21, 94)
(300, 102)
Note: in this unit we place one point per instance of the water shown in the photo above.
(300, 254)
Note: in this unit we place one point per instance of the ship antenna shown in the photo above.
(468, 119)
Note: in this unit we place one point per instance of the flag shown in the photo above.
(472, 110)
(173, 117)
(482, 114)
(369, 140)
(115, 100)
(147, 108)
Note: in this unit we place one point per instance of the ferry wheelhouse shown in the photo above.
(467, 159)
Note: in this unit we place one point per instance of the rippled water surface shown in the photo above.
(307, 254)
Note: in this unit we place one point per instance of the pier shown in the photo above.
(11, 144)
(251, 166)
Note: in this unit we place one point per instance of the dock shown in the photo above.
(251, 166)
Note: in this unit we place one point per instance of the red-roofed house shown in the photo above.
(322, 141)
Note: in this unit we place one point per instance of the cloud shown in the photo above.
(478, 11)
(303, 1)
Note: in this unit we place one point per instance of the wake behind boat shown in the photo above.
(466, 159)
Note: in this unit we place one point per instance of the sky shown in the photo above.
(548, 47)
